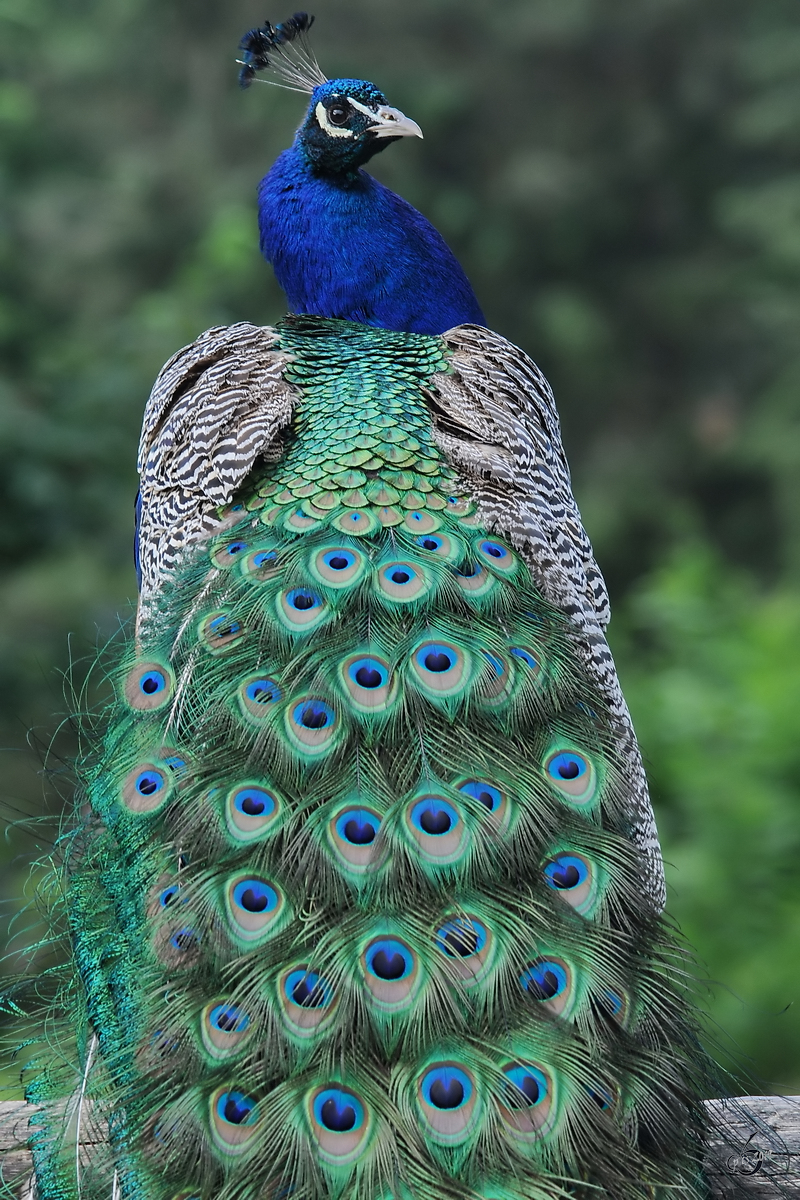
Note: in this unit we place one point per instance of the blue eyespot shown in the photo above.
(526, 1086)
(313, 714)
(175, 763)
(235, 1108)
(229, 1018)
(567, 766)
(461, 937)
(389, 959)
(184, 940)
(436, 658)
(263, 558)
(544, 979)
(357, 826)
(303, 600)
(148, 783)
(485, 793)
(527, 658)
(446, 1087)
(493, 550)
(307, 989)
(338, 1111)
(255, 896)
(234, 548)
(401, 575)
(262, 691)
(495, 663)
(254, 802)
(565, 872)
(224, 626)
(169, 895)
(429, 541)
(601, 1095)
(339, 560)
(613, 1001)
(434, 816)
(153, 682)
(368, 673)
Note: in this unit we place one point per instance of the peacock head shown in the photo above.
(348, 120)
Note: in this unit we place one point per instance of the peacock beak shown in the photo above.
(390, 122)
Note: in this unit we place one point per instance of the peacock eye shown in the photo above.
(339, 113)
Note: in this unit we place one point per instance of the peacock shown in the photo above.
(363, 891)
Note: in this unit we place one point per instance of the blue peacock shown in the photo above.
(364, 890)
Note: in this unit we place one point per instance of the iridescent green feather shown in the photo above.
(357, 913)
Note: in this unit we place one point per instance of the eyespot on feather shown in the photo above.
(467, 944)
(339, 1122)
(224, 1027)
(146, 788)
(526, 656)
(178, 763)
(403, 581)
(391, 972)
(234, 1120)
(421, 521)
(475, 580)
(307, 1000)
(219, 632)
(526, 1099)
(299, 521)
(256, 908)
(302, 609)
(448, 1102)
(459, 506)
(443, 545)
(495, 555)
(615, 1004)
(148, 686)
(260, 564)
(368, 682)
(338, 566)
(572, 773)
(492, 798)
(251, 810)
(548, 981)
(441, 668)
(353, 836)
(177, 944)
(257, 695)
(436, 827)
(228, 553)
(356, 523)
(312, 724)
(496, 682)
(574, 879)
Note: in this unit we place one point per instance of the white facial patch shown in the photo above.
(322, 120)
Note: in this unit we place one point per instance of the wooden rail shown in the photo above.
(754, 1152)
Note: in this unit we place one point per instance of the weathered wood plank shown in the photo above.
(754, 1150)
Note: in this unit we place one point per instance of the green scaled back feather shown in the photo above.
(356, 912)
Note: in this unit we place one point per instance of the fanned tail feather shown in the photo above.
(358, 909)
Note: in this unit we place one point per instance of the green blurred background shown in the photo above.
(621, 179)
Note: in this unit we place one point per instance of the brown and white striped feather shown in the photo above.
(218, 406)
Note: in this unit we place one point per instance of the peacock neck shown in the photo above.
(361, 436)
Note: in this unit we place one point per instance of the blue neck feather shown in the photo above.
(343, 245)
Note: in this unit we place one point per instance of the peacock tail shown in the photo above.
(364, 896)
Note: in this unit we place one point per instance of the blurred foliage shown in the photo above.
(622, 182)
